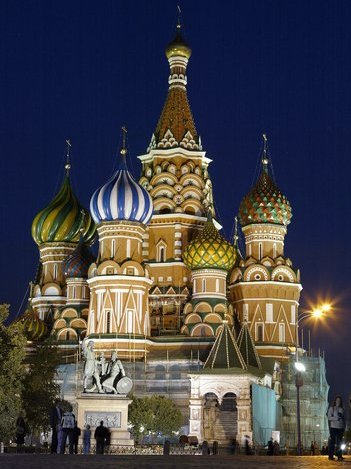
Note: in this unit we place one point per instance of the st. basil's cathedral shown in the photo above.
(193, 317)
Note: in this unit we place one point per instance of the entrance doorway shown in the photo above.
(220, 421)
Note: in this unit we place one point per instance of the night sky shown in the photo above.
(82, 69)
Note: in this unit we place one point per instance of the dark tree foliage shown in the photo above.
(12, 371)
(153, 415)
(40, 389)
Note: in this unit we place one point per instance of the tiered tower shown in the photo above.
(57, 229)
(175, 173)
(119, 281)
(209, 257)
(265, 288)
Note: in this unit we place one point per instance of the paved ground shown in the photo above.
(65, 461)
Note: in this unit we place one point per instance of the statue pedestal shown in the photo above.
(112, 409)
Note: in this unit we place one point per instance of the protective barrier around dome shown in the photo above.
(209, 250)
(121, 198)
(63, 220)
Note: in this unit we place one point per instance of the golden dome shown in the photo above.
(178, 47)
(209, 250)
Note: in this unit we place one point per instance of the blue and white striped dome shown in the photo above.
(121, 198)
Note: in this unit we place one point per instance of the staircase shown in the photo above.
(225, 427)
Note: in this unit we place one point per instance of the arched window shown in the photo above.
(203, 285)
(128, 248)
(260, 251)
(113, 248)
(73, 292)
(259, 332)
(161, 251)
(175, 372)
(274, 250)
(160, 372)
(55, 271)
(108, 322)
(162, 254)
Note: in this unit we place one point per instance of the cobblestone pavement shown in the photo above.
(65, 461)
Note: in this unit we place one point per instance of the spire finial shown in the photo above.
(236, 237)
(68, 156)
(265, 159)
(124, 150)
(81, 229)
(179, 21)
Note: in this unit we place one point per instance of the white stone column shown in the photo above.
(195, 420)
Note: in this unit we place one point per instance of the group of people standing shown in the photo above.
(64, 426)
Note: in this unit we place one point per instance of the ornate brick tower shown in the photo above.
(119, 281)
(175, 173)
(209, 257)
(265, 288)
(57, 229)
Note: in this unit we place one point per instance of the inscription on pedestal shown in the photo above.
(111, 419)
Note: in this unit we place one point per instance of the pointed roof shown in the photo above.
(265, 203)
(225, 353)
(247, 347)
(176, 126)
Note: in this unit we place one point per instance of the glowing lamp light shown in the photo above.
(326, 307)
(300, 366)
(343, 446)
(317, 313)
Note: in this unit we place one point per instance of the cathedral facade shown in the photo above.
(166, 290)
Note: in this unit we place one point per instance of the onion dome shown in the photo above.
(64, 219)
(121, 198)
(34, 327)
(265, 203)
(209, 250)
(77, 264)
(178, 47)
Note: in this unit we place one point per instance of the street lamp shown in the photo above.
(300, 367)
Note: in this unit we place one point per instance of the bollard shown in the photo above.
(1, 447)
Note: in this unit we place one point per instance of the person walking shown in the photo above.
(68, 423)
(86, 439)
(101, 436)
(336, 419)
(55, 424)
(76, 435)
(20, 432)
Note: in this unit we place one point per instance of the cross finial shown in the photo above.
(179, 22)
(68, 156)
(236, 231)
(124, 138)
(265, 160)
(81, 229)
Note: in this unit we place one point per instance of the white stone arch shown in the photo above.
(220, 389)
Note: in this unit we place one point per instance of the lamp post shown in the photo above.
(300, 367)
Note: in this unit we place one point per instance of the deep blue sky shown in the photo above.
(83, 68)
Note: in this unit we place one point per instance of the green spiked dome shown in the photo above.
(62, 219)
(209, 250)
(265, 203)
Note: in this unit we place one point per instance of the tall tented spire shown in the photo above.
(225, 352)
(176, 126)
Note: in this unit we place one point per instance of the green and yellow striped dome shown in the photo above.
(34, 327)
(209, 250)
(62, 219)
